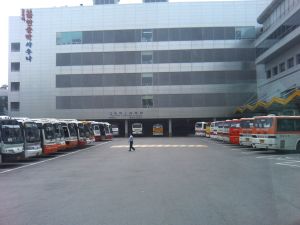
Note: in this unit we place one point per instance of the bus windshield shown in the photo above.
(198, 125)
(59, 131)
(263, 123)
(11, 134)
(49, 131)
(32, 133)
(235, 124)
(137, 125)
(72, 129)
(246, 124)
(81, 130)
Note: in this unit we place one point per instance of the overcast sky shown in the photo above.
(13, 7)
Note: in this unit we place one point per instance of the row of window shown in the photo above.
(290, 25)
(283, 66)
(149, 101)
(282, 9)
(149, 35)
(157, 79)
(15, 106)
(148, 1)
(105, 2)
(149, 57)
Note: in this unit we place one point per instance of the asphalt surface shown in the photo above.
(166, 181)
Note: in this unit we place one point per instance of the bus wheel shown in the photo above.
(298, 147)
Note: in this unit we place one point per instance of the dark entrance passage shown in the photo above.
(148, 125)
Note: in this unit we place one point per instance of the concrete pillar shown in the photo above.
(126, 128)
(170, 128)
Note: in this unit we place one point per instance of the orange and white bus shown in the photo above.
(60, 135)
(200, 128)
(108, 135)
(157, 129)
(47, 131)
(246, 125)
(277, 132)
(70, 133)
(234, 131)
(89, 133)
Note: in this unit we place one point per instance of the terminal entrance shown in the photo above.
(179, 127)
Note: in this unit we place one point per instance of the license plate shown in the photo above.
(262, 141)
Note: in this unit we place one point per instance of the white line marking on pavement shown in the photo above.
(47, 160)
(161, 146)
(287, 164)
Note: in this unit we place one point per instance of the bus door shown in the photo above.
(73, 139)
(81, 134)
(60, 136)
(246, 125)
(96, 131)
(220, 130)
(225, 136)
(32, 139)
(49, 145)
(108, 131)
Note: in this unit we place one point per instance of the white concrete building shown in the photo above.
(278, 49)
(134, 62)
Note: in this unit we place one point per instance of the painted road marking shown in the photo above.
(285, 161)
(47, 160)
(290, 164)
(161, 146)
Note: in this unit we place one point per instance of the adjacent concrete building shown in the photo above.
(173, 63)
(278, 60)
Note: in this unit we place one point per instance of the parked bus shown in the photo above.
(246, 125)
(47, 132)
(207, 130)
(32, 137)
(200, 128)
(12, 141)
(59, 135)
(157, 130)
(220, 130)
(107, 132)
(234, 131)
(96, 129)
(137, 128)
(115, 130)
(89, 133)
(225, 134)
(81, 133)
(70, 133)
(277, 132)
(213, 129)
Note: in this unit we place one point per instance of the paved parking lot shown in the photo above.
(174, 181)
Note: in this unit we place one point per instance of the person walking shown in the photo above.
(130, 140)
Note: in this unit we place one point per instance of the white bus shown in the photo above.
(200, 128)
(12, 140)
(137, 128)
(277, 132)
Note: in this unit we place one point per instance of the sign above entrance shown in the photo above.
(128, 115)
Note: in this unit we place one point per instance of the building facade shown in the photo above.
(278, 51)
(158, 61)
